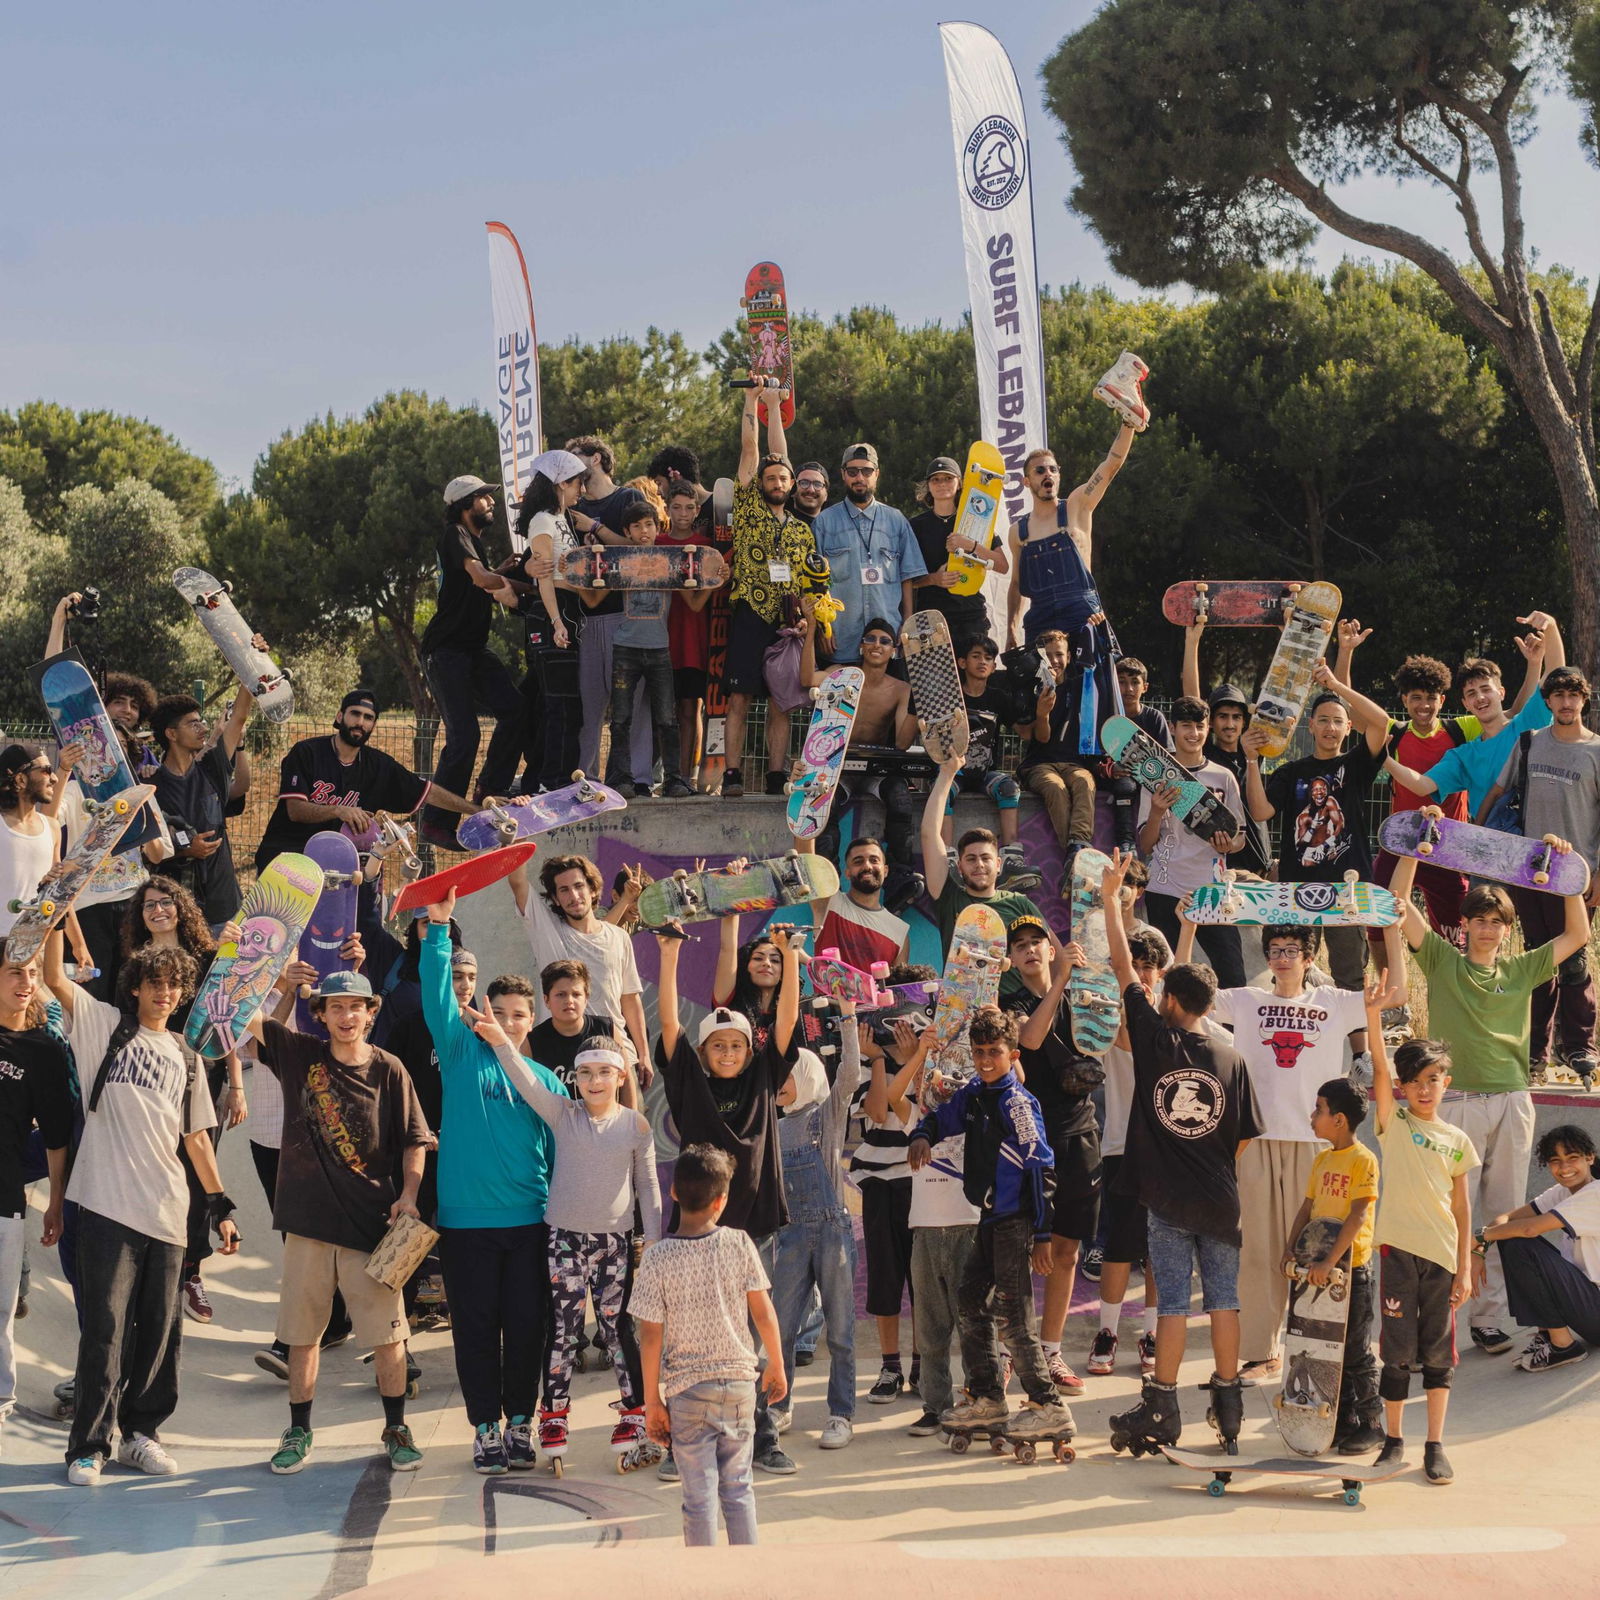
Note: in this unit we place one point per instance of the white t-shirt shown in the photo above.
(1579, 1210)
(1182, 860)
(1119, 1097)
(607, 953)
(937, 1198)
(1292, 1048)
(24, 859)
(127, 1166)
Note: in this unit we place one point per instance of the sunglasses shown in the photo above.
(859, 472)
(877, 638)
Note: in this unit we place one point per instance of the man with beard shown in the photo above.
(810, 491)
(872, 554)
(854, 921)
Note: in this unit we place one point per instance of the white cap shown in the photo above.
(464, 488)
(722, 1020)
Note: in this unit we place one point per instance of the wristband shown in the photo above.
(218, 1208)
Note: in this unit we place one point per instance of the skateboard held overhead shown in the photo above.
(1431, 836)
(1307, 1407)
(1152, 767)
(1250, 904)
(788, 880)
(1092, 992)
(972, 972)
(465, 877)
(816, 774)
(508, 821)
(977, 512)
(766, 309)
(936, 695)
(234, 637)
(1287, 685)
(333, 919)
(1229, 603)
(642, 566)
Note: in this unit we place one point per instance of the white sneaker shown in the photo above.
(837, 1432)
(147, 1454)
(85, 1471)
(783, 1418)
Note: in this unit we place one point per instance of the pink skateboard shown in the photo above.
(840, 981)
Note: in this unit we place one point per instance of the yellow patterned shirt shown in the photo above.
(761, 543)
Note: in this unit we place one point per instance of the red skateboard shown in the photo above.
(1228, 603)
(468, 877)
(766, 309)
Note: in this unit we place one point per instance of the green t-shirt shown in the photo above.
(1483, 1013)
(1006, 904)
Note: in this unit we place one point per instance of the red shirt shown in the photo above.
(1413, 751)
(687, 630)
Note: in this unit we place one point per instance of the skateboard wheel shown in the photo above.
(1216, 1488)
(997, 1445)
(1026, 1453)
(1424, 848)
(1352, 1497)
(1065, 1454)
(47, 908)
(1541, 877)
(578, 777)
(120, 806)
(959, 1444)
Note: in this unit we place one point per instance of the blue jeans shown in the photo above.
(713, 1435)
(1173, 1255)
(631, 666)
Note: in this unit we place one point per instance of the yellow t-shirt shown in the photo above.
(1421, 1161)
(1338, 1179)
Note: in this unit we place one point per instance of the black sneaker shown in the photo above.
(1093, 1260)
(732, 783)
(1393, 1451)
(1436, 1464)
(1542, 1356)
(1492, 1341)
(926, 1424)
(677, 789)
(1584, 1064)
(804, 1358)
(489, 1452)
(890, 1383)
(274, 1359)
(776, 1461)
(1016, 875)
(625, 787)
(777, 782)
(1359, 1439)
(901, 887)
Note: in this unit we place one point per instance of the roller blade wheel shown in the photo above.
(640, 1456)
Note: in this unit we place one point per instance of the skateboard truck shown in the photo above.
(1431, 837)
(1347, 893)
(1541, 867)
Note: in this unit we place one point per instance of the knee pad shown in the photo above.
(1394, 1383)
(1436, 1378)
(1003, 790)
(1573, 973)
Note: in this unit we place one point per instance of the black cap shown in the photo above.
(944, 464)
(1227, 694)
(360, 697)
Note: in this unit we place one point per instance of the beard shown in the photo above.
(866, 880)
(355, 736)
(858, 497)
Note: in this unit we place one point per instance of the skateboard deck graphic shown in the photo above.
(766, 309)
(534, 814)
(1092, 993)
(466, 877)
(1306, 1409)
(1287, 685)
(838, 980)
(788, 880)
(1350, 904)
(660, 566)
(231, 634)
(935, 686)
(816, 773)
(333, 919)
(275, 913)
(1228, 603)
(972, 972)
(1153, 768)
(1351, 1476)
(1483, 852)
(53, 899)
(977, 511)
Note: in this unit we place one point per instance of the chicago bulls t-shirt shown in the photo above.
(1292, 1047)
(312, 771)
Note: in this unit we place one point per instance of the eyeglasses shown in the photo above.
(596, 1074)
(161, 905)
(859, 472)
(812, 483)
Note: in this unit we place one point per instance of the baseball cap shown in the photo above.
(343, 983)
(944, 464)
(360, 697)
(721, 1020)
(465, 487)
(859, 452)
(1228, 694)
(1025, 925)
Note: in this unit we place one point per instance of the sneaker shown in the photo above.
(1103, 1357)
(489, 1452)
(22, 1308)
(1147, 1355)
(1016, 875)
(1396, 1021)
(804, 1358)
(1254, 1372)
(629, 1430)
(1360, 1073)
(776, 1461)
(520, 1455)
(927, 1423)
(85, 1471)
(1436, 1464)
(1361, 1438)
(902, 887)
(914, 1379)
(147, 1455)
(667, 1470)
(275, 1360)
(732, 784)
(677, 789)
(625, 787)
(1542, 1356)
(1536, 1073)
(973, 1412)
(1031, 1420)
(782, 1418)
(890, 1383)
(1393, 1449)
(196, 1303)
(1094, 1258)
(777, 783)
(403, 1453)
(1584, 1065)
(293, 1448)
(1492, 1341)
(1061, 1375)
(837, 1432)
(332, 1338)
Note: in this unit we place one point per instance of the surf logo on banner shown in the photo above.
(516, 366)
(996, 163)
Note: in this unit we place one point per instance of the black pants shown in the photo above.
(557, 672)
(1220, 942)
(899, 817)
(995, 1298)
(1545, 1290)
(198, 1248)
(102, 932)
(498, 1283)
(1358, 1386)
(460, 682)
(532, 692)
(132, 1330)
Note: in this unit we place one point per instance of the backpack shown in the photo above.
(1505, 815)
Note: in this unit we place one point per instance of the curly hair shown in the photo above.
(1422, 672)
(139, 690)
(157, 961)
(556, 865)
(991, 1025)
(193, 934)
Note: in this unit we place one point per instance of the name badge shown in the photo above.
(873, 575)
(778, 571)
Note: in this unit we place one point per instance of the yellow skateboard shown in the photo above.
(977, 510)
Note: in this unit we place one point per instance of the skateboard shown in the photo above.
(1287, 684)
(413, 1374)
(1307, 1407)
(766, 309)
(1316, 905)
(935, 686)
(465, 877)
(657, 566)
(1229, 603)
(537, 813)
(1351, 1477)
(1093, 992)
(816, 775)
(231, 634)
(1483, 852)
(977, 508)
(78, 716)
(61, 886)
(788, 880)
(838, 980)
(274, 915)
(1025, 1450)
(66, 1396)
(1152, 768)
(972, 973)
(333, 920)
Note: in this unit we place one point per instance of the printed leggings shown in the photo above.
(598, 1264)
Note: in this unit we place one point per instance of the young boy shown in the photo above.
(1424, 1234)
(694, 1298)
(640, 651)
(1133, 680)
(1053, 766)
(1343, 1188)
(1192, 1115)
(570, 1026)
(1004, 1166)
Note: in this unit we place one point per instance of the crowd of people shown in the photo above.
(987, 1181)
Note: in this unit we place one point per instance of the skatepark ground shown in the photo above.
(888, 1515)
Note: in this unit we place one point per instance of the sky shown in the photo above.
(231, 219)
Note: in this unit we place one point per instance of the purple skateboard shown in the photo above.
(334, 918)
(1483, 852)
(840, 981)
(525, 818)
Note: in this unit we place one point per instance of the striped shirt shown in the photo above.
(881, 1154)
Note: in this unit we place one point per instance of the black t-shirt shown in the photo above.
(988, 714)
(739, 1115)
(1192, 1104)
(1066, 1115)
(413, 1043)
(966, 614)
(1322, 815)
(559, 1051)
(35, 1087)
(375, 781)
(1257, 853)
(461, 618)
(198, 801)
(608, 509)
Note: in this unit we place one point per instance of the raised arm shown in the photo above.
(1412, 925)
(439, 1008)
(1261, 809)
(667, 992)
(1351, 636)
(547, 1105)
(777, 440)
(1092, 490)
(1111, 881)
(935, 868)
(750, 436)
(1368, 715)
(1189, 678)
(232, 731)
(1382, 1083)
(1014, 590)
(787, 1016)
(1036, 1028)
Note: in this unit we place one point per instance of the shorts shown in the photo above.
(1417, 1330)
(688, 683)
(1077, 1197)
(749, 635)
(886, 1232)
(1127, 1233)
(312, 1270)
(1173, 1254)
